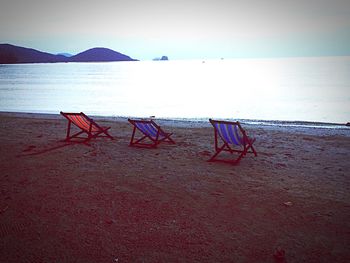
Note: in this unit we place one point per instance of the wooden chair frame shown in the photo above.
(244, 142)
(86, 125)
(158, 136)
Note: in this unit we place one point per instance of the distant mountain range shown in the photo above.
(10, 54)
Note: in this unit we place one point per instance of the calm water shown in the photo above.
(295, 89)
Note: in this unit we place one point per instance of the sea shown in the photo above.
(312, 91)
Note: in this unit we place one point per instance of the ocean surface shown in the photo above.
(288, 90)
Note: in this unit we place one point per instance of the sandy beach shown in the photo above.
(107, 202)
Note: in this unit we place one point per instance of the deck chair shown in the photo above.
(233, 138)
(86, 125)
(150, 132)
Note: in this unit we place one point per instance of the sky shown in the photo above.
(180, 29)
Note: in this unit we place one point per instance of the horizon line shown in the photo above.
(262, 56)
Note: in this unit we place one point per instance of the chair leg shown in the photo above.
(108, 135)
(75, 136)
(139, 143)
(102, 132)
(255, 153)
(132, 136)
(68, 131)
(167, 139)
(222, 148)
(240, 157)
(212, 159)
(250, 146)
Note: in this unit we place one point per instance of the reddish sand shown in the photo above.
(107, 202)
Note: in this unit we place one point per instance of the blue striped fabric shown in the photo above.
(229, 133)
(147, 128)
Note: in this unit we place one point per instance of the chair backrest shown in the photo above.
(230, 132)
(82, 121)
(148, 127)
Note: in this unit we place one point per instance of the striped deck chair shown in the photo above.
(233, 136)
(150, 132)
(86, 125)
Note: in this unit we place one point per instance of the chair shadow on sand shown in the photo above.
(85, 125)
(34, 150)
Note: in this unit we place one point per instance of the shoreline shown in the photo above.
(305, 127)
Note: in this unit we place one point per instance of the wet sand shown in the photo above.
(107, 202)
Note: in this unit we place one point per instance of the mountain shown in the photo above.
(10, 54)
(99, 55)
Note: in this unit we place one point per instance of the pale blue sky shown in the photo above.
(180, 29)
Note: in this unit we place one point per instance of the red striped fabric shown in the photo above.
(82, 123)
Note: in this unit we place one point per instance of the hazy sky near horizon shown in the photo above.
(180, 29)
